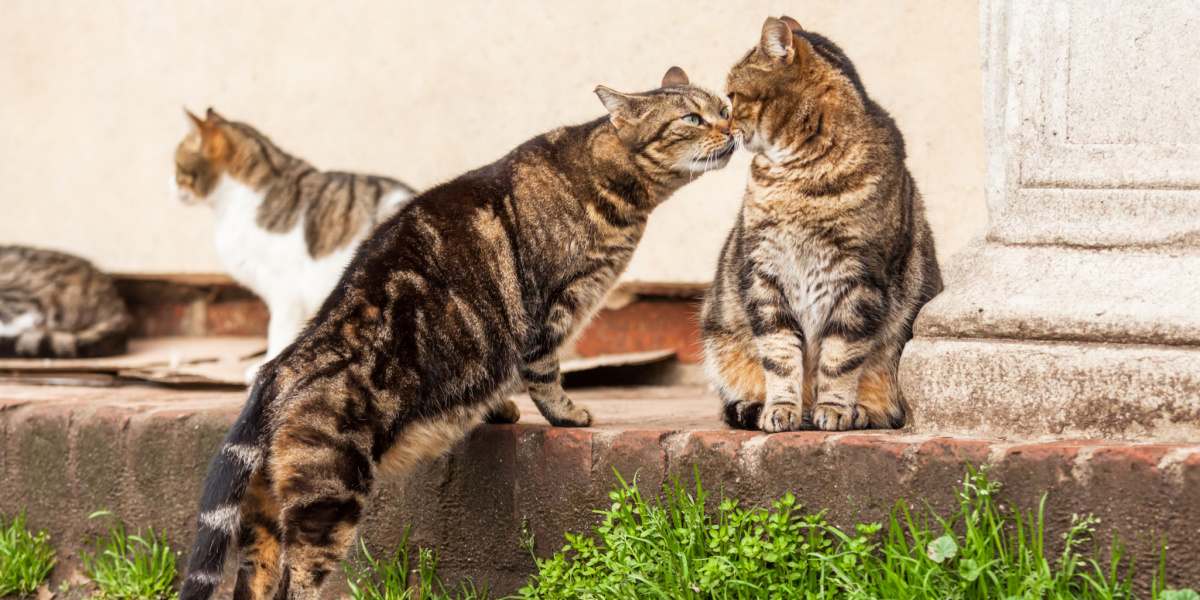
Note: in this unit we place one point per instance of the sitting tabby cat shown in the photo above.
(55, 305)
(477, 282)
(831, 257)
(283, 229)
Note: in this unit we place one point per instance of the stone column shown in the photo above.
(1079, 311)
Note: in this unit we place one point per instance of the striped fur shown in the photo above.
(283, 228)
(478, 282)
(53, 304)
(831, 257)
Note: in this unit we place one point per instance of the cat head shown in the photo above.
(216, 146)
(786, 87)
(200, 156)
(679, 129)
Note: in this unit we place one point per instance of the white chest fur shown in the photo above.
(276, 266)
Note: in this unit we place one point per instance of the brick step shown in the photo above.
(141, 453)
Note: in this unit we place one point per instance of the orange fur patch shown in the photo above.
(877, 394)
(741, 373)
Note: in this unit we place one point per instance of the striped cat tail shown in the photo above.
(106, 338)
(229, 474)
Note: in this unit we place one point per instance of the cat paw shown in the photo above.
(742, 414)
(576, 416)
(828, 416)
(781, 417)
(504, 412)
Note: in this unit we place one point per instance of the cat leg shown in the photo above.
(849, 340)
(259, 542)
(322, 495)
(779, 344)
(781, 355)
(287, 320)
(540, 370)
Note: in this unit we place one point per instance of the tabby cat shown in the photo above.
(56, 305)
(477, 282)
(284, 229)
(831, 257)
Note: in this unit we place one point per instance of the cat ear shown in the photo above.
(622, 108)
(792, 24)
(776, 41)
(675, 77)
(212, 117)
(196, 122)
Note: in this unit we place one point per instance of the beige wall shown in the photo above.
(90, 99)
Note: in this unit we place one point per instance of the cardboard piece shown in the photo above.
(166, 360)
(186, 361)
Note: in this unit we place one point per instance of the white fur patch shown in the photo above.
(249, 456)
(225, 518)
(205, 577)
(276, 266)
(20, 324)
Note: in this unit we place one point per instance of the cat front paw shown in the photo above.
(784, 416)
(575, 416)
(831, 416)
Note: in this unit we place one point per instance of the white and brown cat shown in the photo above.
(284, 229)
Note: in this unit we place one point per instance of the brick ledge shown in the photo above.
(141, 452)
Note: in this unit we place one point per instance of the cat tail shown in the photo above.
(240, 457)
(105, 338)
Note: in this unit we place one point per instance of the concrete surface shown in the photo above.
(423, 91)
(141, 453)
(1077, 313)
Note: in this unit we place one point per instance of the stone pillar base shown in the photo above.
(1036, 341)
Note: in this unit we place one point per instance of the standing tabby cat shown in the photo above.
(821, 278)
(283, 229)
(57, 305)
(479, 281)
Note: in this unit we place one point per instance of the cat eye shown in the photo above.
(724, 112)
(693, 119)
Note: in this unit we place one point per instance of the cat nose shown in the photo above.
(725, 126)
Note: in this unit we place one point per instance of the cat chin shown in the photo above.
(700, 166)
(184, 196)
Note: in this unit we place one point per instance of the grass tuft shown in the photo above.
(26, 558)
(391, 578)
(128, 566)
(677, 549)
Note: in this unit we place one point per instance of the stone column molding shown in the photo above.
(1079, 311)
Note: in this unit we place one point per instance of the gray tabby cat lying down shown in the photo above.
(284, 229)
(55, 305)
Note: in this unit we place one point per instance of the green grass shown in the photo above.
(128, 566)
(25, 558)
(392, 578)
(676, 549)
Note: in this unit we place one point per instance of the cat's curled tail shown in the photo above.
(106, 338)
(229, 473)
